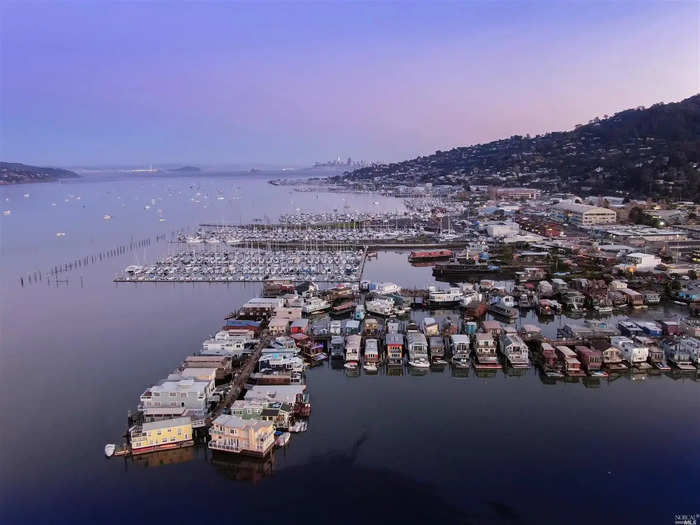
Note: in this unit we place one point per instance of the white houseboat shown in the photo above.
(315, 304)
(460, 346)
(515, 351)
(417, 346)
(444, 298)
(485, 351)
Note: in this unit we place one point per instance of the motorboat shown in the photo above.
(419, 363)
(460, 362)
(370, 367)
(283, 439)
(299, 426)
(109, 449)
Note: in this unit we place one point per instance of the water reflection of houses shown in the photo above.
(243, 468)
(166, 457)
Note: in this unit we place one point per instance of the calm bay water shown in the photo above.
(75, 356)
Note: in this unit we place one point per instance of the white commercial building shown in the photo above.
(639, 262)
(502, 229)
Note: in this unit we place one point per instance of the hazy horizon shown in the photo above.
(281, 84)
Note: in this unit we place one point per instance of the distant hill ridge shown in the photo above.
(651, 151)
(188, 169)
(16, 173)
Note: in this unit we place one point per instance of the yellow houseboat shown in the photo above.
(161, 435)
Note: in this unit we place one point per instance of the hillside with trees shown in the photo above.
(16, 173)
(638, 152)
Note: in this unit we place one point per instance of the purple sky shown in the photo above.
(288, 84)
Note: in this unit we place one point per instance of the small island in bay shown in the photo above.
(17, 173)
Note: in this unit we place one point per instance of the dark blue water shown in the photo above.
(75, 356)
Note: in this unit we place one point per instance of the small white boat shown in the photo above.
(299, 426)
(460, 363)
(162, 219)
(419, 363)
(109, 449)
(61, 234)
(350, 365)
(107, 216)
(26, 195)
(283, 439)
(370, 367)
(6, 212)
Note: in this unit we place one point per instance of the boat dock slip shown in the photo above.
(251, 265)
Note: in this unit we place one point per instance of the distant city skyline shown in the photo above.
(285, 84)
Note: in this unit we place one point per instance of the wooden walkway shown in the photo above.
(242, 377)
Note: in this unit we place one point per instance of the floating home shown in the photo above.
(222, 364)
(371, 327)
(371, 351)
(335, 327)
(299, 326)
(417, 346)
(633, 297)
(677, 354)
(572, 366)
(573, 299)
(629, 328)
(485, 349)
(690, 327)
(226, 343)
(460, 346)
(612, 359)
(591, 359)
(278, 326)
(671, 327)
(650, 328)
(239, 436)
(548, 360)
(515, 351)
(633, 353)
(429, 327)
(352, 327)
(176, 398)
(198, 374)
(337, 347)
(494, 328)
(691, 345)
(651, 297)
(279, 414)
(352, 348)
(161, 435)
(394, 348)
(437, 348)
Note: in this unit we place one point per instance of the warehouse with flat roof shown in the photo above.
(584, 214)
